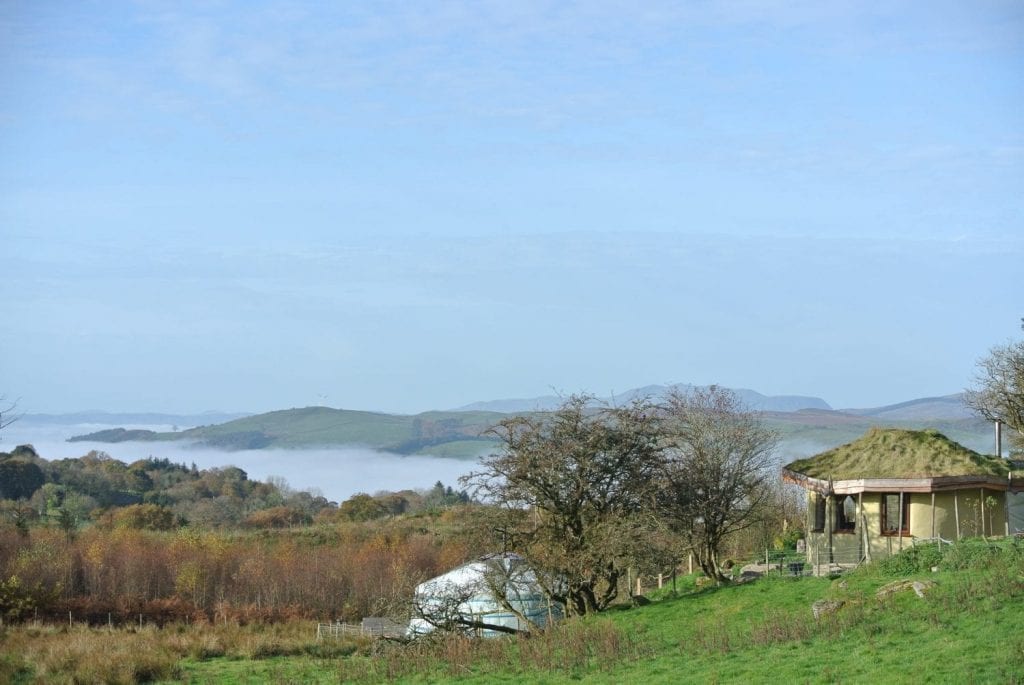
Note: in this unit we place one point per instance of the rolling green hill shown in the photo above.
(462, 434)
(809, 431)
(457, 434)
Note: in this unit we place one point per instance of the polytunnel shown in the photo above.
(494, 595)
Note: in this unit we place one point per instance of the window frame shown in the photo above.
(819, 512)
(840, 524)
(904, 529)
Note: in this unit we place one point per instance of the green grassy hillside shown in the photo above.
(827, 429)
(463, 434)
(967, 628)
(458, 434)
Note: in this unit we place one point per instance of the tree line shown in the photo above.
(157, 494)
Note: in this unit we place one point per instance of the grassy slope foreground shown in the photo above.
(969, 628)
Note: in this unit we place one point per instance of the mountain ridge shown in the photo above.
(751, 398)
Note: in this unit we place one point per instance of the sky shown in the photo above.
(402, 206)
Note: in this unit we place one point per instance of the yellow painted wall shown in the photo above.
(849, 548)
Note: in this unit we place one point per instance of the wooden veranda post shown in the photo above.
(862, 519)
(933, 514)
(956, 512)
(829, 516)
(981, 505)
(901, 521)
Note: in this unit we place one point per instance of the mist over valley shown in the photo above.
(335, 472)
(339, 453)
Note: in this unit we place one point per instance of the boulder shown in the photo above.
(825, 607)
(920, 587)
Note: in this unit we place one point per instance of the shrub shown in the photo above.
(970, 554)
(143, 517)
(913, 560)
(787, 540)
(277, 517)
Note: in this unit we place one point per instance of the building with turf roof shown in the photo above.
(892, 488)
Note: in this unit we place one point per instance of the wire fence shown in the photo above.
(370, 627)
(795, 564)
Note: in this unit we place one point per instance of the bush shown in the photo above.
(963, 555)
(143, 517)
(787, 540)
(913, 560)
(974, 554)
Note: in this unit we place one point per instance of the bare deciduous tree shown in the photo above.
(7, 415)
(716, 472)
(573, 489)
(998, 394)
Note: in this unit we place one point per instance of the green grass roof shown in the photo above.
(898, 453)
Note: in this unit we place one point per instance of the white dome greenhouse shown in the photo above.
(469, 599)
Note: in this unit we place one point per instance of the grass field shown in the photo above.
(968, 628)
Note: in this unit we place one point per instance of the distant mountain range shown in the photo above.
(753, 399)
(806, 424)
(945, 407)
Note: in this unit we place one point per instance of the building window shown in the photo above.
(892, 524)
(846, 514)
(819, 514)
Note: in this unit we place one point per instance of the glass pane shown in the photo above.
(892, 513)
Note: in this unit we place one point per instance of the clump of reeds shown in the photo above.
(83, 654)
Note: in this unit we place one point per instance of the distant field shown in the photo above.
(455, 434)
(464, 435)
(818, 431)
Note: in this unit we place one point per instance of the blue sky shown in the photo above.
(403, 206)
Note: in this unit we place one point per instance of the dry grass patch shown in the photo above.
(80, 654)
(572, 649)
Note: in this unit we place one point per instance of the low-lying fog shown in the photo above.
(337, 472)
